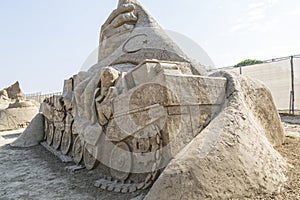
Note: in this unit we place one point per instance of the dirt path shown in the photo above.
(34, 173)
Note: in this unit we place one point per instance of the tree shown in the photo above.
(248, 62)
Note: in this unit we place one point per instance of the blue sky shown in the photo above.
(44, 42)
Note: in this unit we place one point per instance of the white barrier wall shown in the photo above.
(277, 77)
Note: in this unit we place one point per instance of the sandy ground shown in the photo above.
(290, 150)
(34, 173)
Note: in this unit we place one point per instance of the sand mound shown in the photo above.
(14, 118)
(33, 134)
(234, 156)
(22, 104)
(15, 111)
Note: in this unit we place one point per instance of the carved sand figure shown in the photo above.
(146, 116)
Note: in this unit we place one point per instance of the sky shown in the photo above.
(44, 42)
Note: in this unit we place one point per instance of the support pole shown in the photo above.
(292, 95)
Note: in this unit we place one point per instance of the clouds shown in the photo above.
(294, 12)
(262, 4)
(256, 5)
(254, 17)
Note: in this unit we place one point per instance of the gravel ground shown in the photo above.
(34, 173)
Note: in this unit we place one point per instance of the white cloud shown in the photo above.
(256, 5)
(237, 27)
(255, 14)
(253, 18)
(272, 2)
(295, 12)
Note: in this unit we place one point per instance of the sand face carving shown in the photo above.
(145, 110)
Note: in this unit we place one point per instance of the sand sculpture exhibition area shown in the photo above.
(216, 135)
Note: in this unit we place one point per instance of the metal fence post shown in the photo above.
(292, 94)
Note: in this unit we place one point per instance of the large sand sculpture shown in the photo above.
(147, 117)
(15, 111)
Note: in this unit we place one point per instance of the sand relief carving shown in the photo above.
(126, 103)
(132, 114)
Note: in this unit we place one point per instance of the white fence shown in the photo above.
(282, 76)
(39, 97)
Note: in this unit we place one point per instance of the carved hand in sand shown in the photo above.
(121, 20)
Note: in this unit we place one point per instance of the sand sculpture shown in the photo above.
(147, 117)
(12, 92)
(15, 111)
